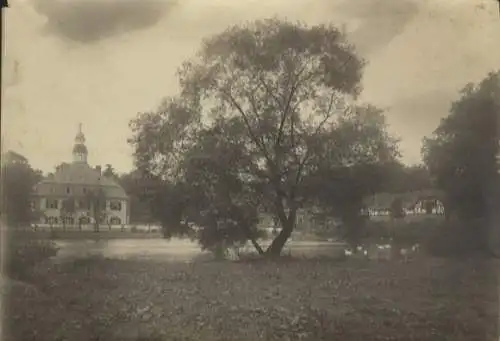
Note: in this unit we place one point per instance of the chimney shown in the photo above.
(98, 168)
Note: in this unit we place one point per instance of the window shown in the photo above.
(84, 190)
(68, 190)
(115, 205)
(115, 221)
(53, 203)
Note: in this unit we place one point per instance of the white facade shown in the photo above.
(68, 196)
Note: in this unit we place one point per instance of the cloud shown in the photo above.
(377, 21)
(89, 21)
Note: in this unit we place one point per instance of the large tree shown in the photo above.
(18, 181)
(279, 91)
(402, 178)
(110, 172)
(141, 189)
(461, 154)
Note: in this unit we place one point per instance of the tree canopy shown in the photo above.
(18, 181)
(461, 154)
(262, 109)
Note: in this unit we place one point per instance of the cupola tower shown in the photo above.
(79, 149)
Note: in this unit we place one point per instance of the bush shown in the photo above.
(457, 238)
(24, 252)
(404, 232)
(437, 237)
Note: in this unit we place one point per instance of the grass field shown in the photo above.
(99, 299)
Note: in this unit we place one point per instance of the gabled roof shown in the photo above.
(80, 174)
(384, 200)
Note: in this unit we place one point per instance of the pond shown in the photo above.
(186, 250)
(174, 249)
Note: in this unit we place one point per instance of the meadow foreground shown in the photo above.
(103, 299)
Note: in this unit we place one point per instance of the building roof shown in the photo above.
(80, 174)
(384, 200)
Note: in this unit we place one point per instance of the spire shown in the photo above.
(79, 148)
(80, 138)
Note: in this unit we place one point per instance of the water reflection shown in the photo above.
(186, 250)
(174, 249)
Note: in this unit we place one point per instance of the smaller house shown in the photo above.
(417, 202)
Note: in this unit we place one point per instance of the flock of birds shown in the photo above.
(381, 252)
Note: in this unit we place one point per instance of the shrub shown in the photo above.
(24, 252)
(437, 237)
(457, 238)
(403, 231)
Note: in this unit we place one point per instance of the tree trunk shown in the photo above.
(96, 220)
(96, 223)
(277, 245)
(257, 246)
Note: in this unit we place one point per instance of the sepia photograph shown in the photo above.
(222, 170)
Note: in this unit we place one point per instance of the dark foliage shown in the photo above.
(262, 107)
(461, 155)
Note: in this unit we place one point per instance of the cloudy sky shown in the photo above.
(100, 62)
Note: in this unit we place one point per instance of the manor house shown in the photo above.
(70, 196)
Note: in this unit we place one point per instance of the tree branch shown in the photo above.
(287, 105)
(254, 137)
(306, 157)
(269, 92)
